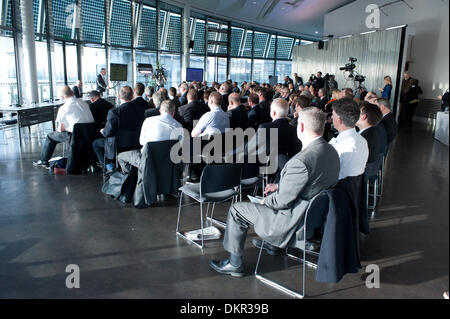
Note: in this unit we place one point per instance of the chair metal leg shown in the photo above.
(275, 284)
(375, 187)
(178, 233)
(201, 221)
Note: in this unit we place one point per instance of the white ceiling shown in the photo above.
(300, 17)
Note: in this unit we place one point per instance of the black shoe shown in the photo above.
(41, 163)
(225, 267)
(270, 249)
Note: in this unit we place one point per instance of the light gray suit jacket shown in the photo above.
(305, 175)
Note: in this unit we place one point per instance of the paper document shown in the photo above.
(255, 199)
(209, 233)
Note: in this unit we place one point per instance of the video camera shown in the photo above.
(349, 66)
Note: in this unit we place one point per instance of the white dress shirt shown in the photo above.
(353, 153)
(213, 122)
(74, 111)
(159, 128)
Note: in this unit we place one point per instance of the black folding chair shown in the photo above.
(218, 183)
(315, 216)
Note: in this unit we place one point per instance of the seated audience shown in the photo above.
(157, 99)
(301, 102)
(73, 111)
(323, 100)
(236, 112)
(214, 121)
(173, 98)
(192, 111)
(183, 89)
(351, 147)
(255, 114)
(78, 90)
(367, 124)
(235, 88)
(277, 217)
(264, 104)
(139, 89)
(99, 108)
(154, 129)
(224, 91)
(288, 143)
(388, 121)
(128, 117)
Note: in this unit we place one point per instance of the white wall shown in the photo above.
(429, 58)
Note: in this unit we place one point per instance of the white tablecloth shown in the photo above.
(441, 133)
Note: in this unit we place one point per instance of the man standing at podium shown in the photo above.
(101, 81)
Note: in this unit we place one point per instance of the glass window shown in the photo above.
(236, 39)
(123, 57)
(147, 32)
(284, 46)
(305, 42)
(146, 58)
(93, 60)
(42, 72)
(172, 64)
(72, 65)
(8, 84)
(260, 44)
(247, 49)
(5, 13)
(121, 23)
(196, 62)
(222, 49)
(199, 37)
(36, 4)
(93, 20)
(210, 69)
(58, 65)
(262, 69)
(283, 68)
(212, 35)
(271, 51)
(222, 70)
(173, 42)
(63, 13)
(240, 70)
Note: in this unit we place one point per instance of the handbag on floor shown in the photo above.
(120, 186)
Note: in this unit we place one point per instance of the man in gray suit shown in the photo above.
(279, 215)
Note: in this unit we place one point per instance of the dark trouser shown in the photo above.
(407, 112)
(240, 217)
(50, 143)
(129, 159)
(99, 149)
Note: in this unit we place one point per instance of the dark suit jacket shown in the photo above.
(309, 172)
(77, 92)
(128, 116)
(99, 110)
(238, 117)
(139, 101)
(382, 135)
(373, 142)
(101, 85)
(152, 112)
(390, 125)
(322, 103)
(177, 104)
(288, 143)
(255, 116)
(182, 99)
(225, 102)
(191, 112)
(265, 107)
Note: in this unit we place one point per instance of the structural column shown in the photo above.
(185, 41)
(29, 52)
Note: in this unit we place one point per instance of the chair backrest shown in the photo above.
(81, 153)
(217, 178)
(249, 170)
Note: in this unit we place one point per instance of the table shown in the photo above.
(441, 132)
(38, 113)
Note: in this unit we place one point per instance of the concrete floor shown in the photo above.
(48, 222)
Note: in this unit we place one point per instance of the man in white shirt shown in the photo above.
(214, 121)
(154, 129)
(351, 147)
(73, 111)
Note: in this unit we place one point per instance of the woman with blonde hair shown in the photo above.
(386, 91)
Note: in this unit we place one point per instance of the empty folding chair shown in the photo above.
(218, 183)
